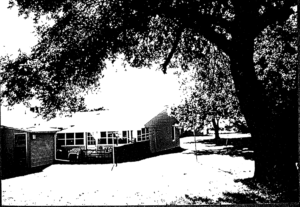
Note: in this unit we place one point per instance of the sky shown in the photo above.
(129, 89)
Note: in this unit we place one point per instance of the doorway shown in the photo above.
(20, 150)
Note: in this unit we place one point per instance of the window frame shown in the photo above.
(79, 138)
(25, 139)
(90, 139)
(143, 134)
(139, 135)
(64, 139)
(73, 138)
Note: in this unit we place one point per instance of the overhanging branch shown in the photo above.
(210, 34)
(173, 50)
(203, 23)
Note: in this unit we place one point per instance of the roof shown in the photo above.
(38, 129)
(13, 128)
(43, 129)
(19, 117)
(109, 121)
(162, 118)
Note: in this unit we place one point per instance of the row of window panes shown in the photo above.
(143, 134)
(105, 138)
(127, 134)
(70, 139)
(108, 134)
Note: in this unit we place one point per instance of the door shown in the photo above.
(20, 150)
(90, 141)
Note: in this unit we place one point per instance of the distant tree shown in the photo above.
(188, 116)
(209, 89)
(71, 54)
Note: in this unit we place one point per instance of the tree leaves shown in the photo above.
(71, 54)
(212, 93)
(276, 63)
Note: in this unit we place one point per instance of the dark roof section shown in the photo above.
(163, 118)
(7, 127)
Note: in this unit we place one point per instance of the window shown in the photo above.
(60, 136)
(102, 141)
(143, 134)
(112, 135)
(79, 139)
(61, 139)
(90, 139)
(69, 138)
(123, 139)
(139, 137)
(103, 138)
(109, 141)
(20, 139)
(147, 134)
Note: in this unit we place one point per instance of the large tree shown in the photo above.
(71, 54)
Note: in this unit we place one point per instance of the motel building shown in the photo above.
(86, 137)
(111, 137)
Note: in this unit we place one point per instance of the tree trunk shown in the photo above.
(274, 134)
(216, 128)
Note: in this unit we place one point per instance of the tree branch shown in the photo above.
(204, 23)
(218, 39)
(173, 50)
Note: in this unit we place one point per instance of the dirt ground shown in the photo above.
(172, 178)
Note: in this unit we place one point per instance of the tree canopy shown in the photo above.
(71, 54)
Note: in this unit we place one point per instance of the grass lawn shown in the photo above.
(175, 177)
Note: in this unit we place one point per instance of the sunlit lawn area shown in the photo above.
(177, 177)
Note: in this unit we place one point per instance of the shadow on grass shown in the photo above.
(199, 200)
(134, 155)
(146, 155)
(17, 172)
(238, 141)
(256, 193)
(272, 191)
(242, 198)
(233, 147)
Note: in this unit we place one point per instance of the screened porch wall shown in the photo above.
(66, 141)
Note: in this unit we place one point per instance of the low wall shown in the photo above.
(132, 152)
(124, 153)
